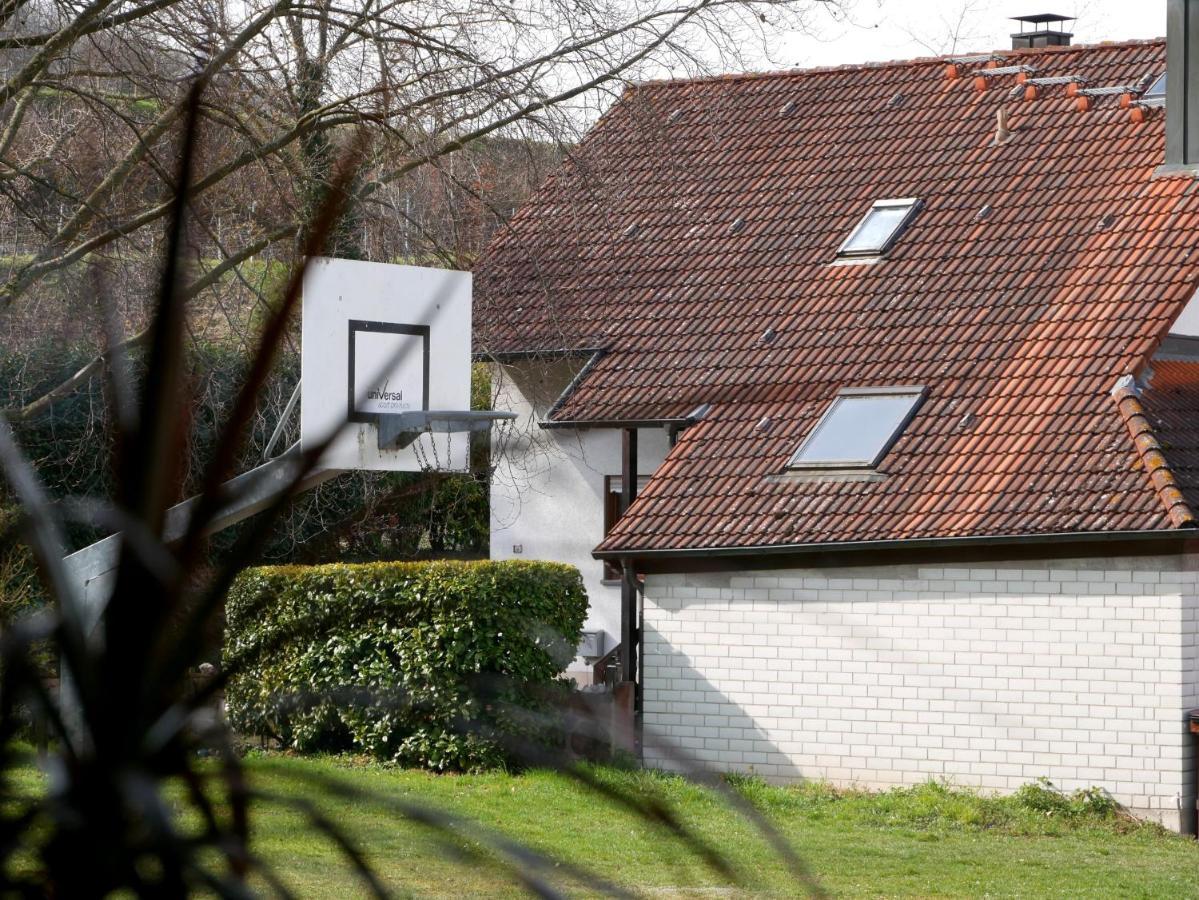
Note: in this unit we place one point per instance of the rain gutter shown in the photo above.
(1177, 535)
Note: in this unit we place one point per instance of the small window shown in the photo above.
(858, 429)
(1157, 89)
(880, 228)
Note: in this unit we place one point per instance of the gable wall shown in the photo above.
(989, 676)
(547, 491)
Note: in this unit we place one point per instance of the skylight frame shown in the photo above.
(913, 206)
(918, 393)
(1151, 93)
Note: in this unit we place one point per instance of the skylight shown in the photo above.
(875, 234)
(1157, 89)
(858, 428)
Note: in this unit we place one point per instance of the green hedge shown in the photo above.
(434, 664)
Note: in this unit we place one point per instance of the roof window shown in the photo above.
(858, 428)
(880, 227)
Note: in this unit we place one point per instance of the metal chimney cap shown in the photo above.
(1043, 18)
(1046, 31)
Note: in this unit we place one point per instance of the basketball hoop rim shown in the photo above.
(395, 431)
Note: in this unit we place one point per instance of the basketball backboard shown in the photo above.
(383, 341)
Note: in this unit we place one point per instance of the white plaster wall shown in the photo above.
(547, 491)
(986, 675)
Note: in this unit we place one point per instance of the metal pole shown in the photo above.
(278, 432)
(94, 568)
(628, 623)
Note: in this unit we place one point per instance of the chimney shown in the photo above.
(1041, 30)
(1182, 67)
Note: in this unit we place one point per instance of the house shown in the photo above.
(867, 398)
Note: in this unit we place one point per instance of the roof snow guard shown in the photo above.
(1055, 80)
(1132, 411)
(1114, 90)
(976, 60)
(1000, 71)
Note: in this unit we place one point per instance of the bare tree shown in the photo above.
(92, 95)
(953, 30)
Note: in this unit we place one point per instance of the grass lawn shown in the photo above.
(923, 842)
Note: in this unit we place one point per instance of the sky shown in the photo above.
(902, 29)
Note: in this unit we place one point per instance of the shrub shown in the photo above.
(20, 590)
(435, 664)
(1043, 796)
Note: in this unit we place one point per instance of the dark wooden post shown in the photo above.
(628, 467)
(628, 581)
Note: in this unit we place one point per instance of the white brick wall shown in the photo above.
(986, 675)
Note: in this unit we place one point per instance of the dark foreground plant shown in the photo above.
(145, 792)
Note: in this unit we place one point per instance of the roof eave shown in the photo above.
(616, 423)
(512, 356)
(1165, 535)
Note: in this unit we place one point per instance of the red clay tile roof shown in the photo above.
(1038, 272)
(1171, 407)
(1151, 451)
